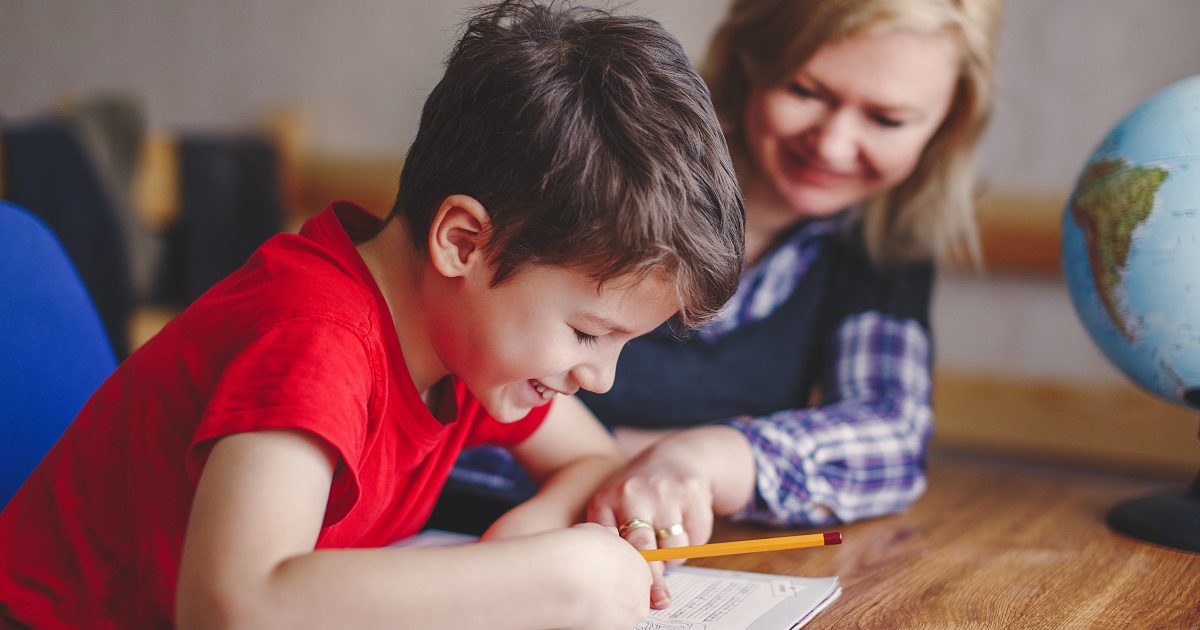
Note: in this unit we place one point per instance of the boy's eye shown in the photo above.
(584, 338)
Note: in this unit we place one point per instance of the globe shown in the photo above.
(1131, 244)
(1131, 262)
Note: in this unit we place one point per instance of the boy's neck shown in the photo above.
(396, 267)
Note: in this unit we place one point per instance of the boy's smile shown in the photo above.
(546, 392)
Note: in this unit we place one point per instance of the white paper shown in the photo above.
(712, 599)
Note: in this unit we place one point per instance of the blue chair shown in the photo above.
(54, 351)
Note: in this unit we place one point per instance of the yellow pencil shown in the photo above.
(743, 546)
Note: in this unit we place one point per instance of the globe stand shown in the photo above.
(1170, 520)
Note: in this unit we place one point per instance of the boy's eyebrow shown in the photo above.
(605, 323)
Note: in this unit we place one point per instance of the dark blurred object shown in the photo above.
(230, 204)
(485, 483)
(112, 128)
(48, 171)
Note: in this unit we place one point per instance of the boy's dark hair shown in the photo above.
(592, 143)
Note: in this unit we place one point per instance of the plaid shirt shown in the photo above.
(861, 452)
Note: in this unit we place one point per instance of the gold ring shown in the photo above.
(673, 530)
(632, 524)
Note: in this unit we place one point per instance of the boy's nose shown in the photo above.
(597, 376)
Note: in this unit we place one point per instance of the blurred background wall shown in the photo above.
(360, 69)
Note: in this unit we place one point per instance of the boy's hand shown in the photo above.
(612, 574)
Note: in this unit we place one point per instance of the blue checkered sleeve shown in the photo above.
(862, 452)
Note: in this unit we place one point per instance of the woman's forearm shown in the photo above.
(559, 501)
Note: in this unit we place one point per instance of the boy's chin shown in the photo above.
(509, 411)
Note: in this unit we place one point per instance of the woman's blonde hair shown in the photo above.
(930, 214)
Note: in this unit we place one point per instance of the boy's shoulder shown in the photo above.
(317, 268)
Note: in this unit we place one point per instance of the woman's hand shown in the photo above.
(668, 494)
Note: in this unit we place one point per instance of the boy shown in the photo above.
(568, 189)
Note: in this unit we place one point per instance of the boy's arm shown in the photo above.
(569, 456)
(248, 560)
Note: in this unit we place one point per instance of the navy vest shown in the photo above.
(665, 381)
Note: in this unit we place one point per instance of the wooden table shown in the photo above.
(995, 545)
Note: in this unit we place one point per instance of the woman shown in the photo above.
(852, 125)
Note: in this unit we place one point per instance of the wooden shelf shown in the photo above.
(1021, 234)
(1115, 428)
(369, 181)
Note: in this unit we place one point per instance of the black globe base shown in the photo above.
(1169, 520)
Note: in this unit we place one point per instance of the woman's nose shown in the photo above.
(834, 140)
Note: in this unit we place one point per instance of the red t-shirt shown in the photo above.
(298, 338)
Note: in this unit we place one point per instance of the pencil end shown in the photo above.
(833, 538)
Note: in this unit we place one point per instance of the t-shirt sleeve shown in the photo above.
(308, 374)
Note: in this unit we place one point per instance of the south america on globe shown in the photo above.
(1112, 199)
(1131, 244)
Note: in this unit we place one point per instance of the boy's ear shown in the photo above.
(457, 235)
